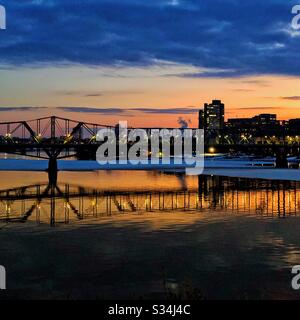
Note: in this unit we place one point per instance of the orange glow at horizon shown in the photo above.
(133, 88)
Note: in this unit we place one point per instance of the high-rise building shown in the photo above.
(212, 117)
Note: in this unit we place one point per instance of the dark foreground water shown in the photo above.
(126, 235)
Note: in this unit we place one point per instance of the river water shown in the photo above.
(130, 235)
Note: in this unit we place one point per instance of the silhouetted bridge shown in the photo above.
(58, 138)
(50, 135)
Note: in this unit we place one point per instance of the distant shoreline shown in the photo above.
(228, 168)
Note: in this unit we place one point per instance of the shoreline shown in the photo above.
(226, 168)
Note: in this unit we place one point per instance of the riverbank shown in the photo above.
(229, 168)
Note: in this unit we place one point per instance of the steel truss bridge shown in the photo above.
(58, 138)
(55, 204)
(48, 137)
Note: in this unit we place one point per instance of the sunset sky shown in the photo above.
(148, 62)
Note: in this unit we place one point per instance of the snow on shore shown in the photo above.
(229, 168)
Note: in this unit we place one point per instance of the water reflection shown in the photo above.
(66, 202)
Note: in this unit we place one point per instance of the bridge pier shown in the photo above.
(52, 171)
(281, 159)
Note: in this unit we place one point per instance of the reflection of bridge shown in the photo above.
(19, 204)
(60, 204)
(57, 138)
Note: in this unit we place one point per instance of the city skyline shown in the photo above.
(194, 114)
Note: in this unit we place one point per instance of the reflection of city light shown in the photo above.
(66, 205)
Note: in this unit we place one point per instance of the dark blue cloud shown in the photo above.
(248, 37)
(129, 111)
(187, 110)
(23, 109)
(292, 98)
(106, 111)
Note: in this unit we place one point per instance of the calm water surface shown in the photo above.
(145, 234)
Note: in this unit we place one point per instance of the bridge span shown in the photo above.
(58, 138)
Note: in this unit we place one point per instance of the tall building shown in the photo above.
(211, 119)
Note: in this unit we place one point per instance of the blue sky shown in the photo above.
(239, 37)
(204, 39)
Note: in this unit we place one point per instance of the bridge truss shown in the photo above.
(47, 137)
